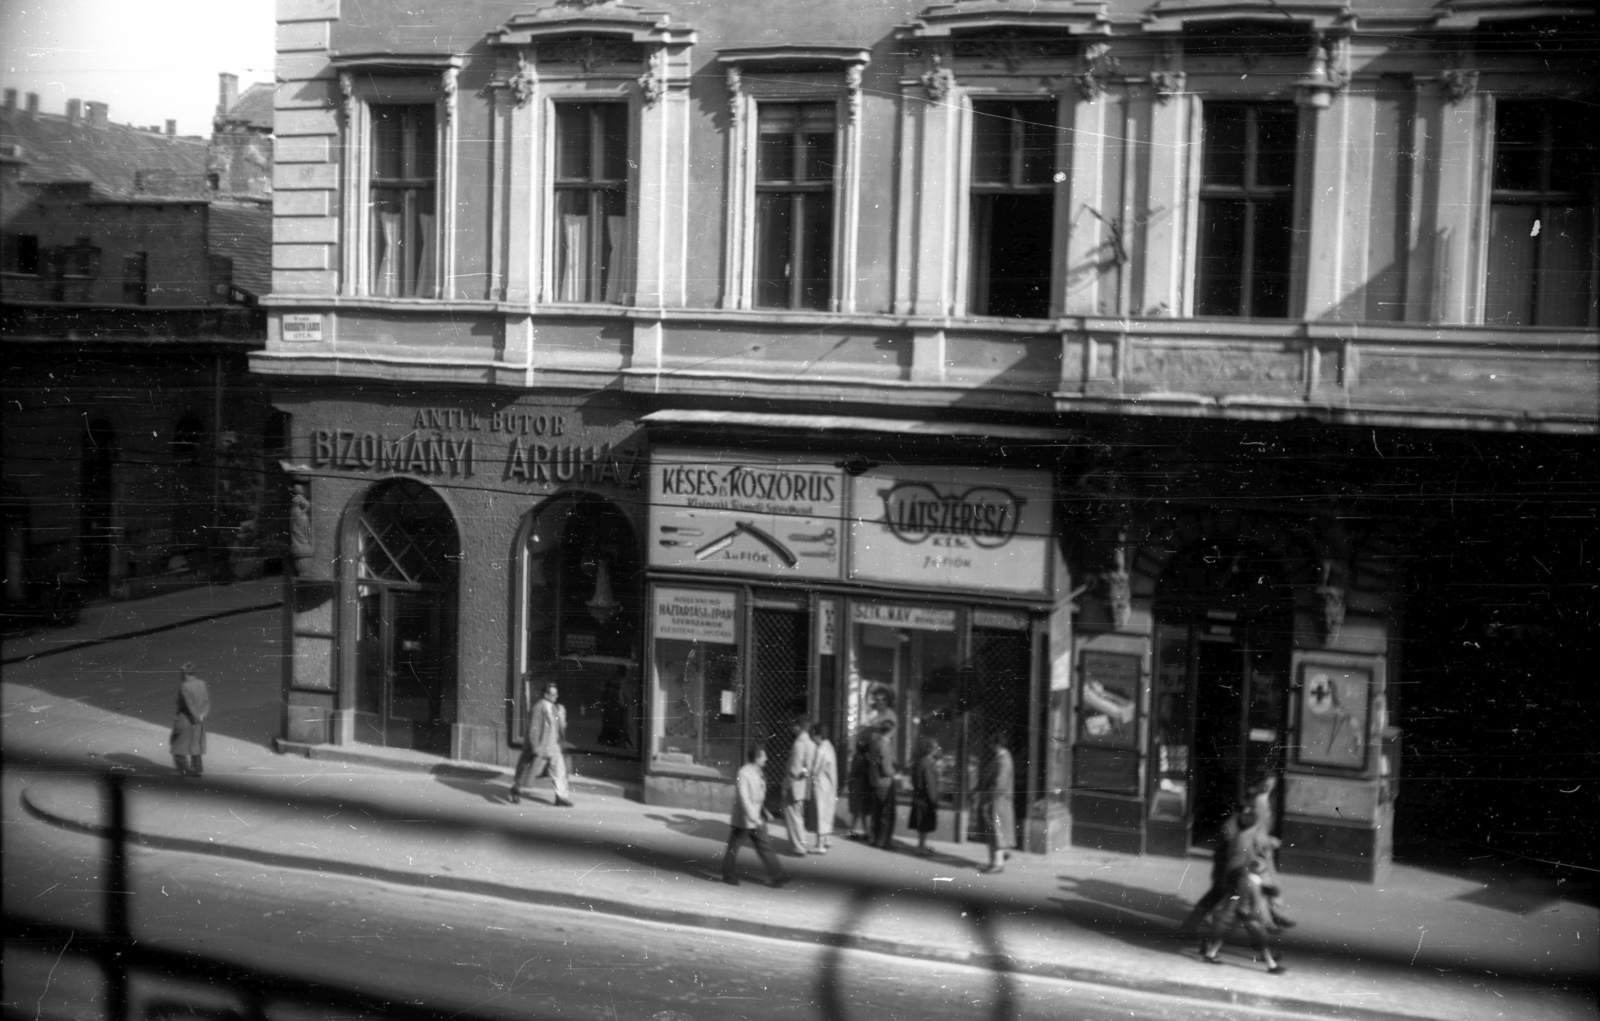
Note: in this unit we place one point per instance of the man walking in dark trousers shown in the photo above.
(748, 821)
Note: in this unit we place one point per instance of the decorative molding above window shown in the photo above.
(990, 17)
(794, 57)
(609, 19)
(1178, 15)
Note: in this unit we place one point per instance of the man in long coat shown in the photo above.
(541, 748)
(880, 773)
(797, 785)
(998, 789)
(188, 741)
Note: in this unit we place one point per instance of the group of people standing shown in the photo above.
(811, 791)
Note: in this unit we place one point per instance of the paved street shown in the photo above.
(429, 886)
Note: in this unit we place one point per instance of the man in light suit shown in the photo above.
(749, 820)
(797, 786)
(541, 748)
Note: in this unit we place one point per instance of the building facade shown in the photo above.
(1106, 378)
(134, 435)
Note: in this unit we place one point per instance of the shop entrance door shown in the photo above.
(406, 698)
(780, 629)
(405, 660)
(1218, 761)
(997, 704)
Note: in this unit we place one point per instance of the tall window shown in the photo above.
(1246, 209)
(591, 185)
(135, 278)
(1541, 216)
(794, 205)
(1013, 203)
(404, 174)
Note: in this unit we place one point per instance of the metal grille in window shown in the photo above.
(998, 703)
(777, 689)
(407, 536)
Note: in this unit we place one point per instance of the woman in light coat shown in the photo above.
(997, 793)
(824, 785)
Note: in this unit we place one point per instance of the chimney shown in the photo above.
(33, 104)
(227, 92)
(96, 113)
(74, 110)
(11, 99)
(172, 128)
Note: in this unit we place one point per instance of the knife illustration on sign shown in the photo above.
(725, 540)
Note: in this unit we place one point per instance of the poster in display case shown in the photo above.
(1335, 704)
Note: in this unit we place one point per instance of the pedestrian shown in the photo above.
(748, 820)
(860, 793)
(880, 774)
(188, 741)
(1224, 847)
(925, 793)
(1246, 905)
(797, 784)
(543, 733)
(997, 792)
(824, 785)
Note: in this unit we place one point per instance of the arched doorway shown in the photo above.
(1224, 629)
(582, 593)
(407, 553)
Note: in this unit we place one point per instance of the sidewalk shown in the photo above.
(1426, 944)
(107, 622)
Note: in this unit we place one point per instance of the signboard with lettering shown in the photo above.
(935, 528)
(744, 514)
(302, 327)
(696, 615)
(919, 618)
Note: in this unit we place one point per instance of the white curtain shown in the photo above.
(616, 233)
(386, 274)
(425, 256)
(573, 285)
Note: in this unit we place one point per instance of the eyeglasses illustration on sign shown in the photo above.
(986, 515)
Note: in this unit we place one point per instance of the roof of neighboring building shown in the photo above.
(118, 159)
(243, 232)
(252, 111)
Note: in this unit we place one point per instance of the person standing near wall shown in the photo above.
(880, 773)
(797, 785)
(997, 791)
(925, 792)
(824, 785)
(188, 742)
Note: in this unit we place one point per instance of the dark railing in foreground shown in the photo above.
(121, 958)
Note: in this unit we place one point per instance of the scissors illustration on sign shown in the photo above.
(725, 540)
(828, 536)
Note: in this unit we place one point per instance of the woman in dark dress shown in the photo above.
(925, 794)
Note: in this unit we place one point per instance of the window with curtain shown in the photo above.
(1013, 204)
(1542, 216)
(402, 197)
(1246, 209)
(591, 200)
(794, 205)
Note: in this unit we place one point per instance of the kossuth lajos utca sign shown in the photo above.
(801, 517)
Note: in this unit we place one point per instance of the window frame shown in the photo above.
(971, 260)
(365, 87)
(1251, 194)
(1542, 198)
(796, 188)
(622, 258)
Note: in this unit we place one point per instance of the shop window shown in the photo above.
(401, 197)
(794, 205)
(904, 663)
(135, 278)
(1246, 209)
(591, 200)
(698, 722)
(1013, 203)
(21, 254)
(1541, 216)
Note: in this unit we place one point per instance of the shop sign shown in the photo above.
(827, 626)
(696, 615)
(515, 445)
(733, 513)
(918, 618)
(302, 327)
(938, 528)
